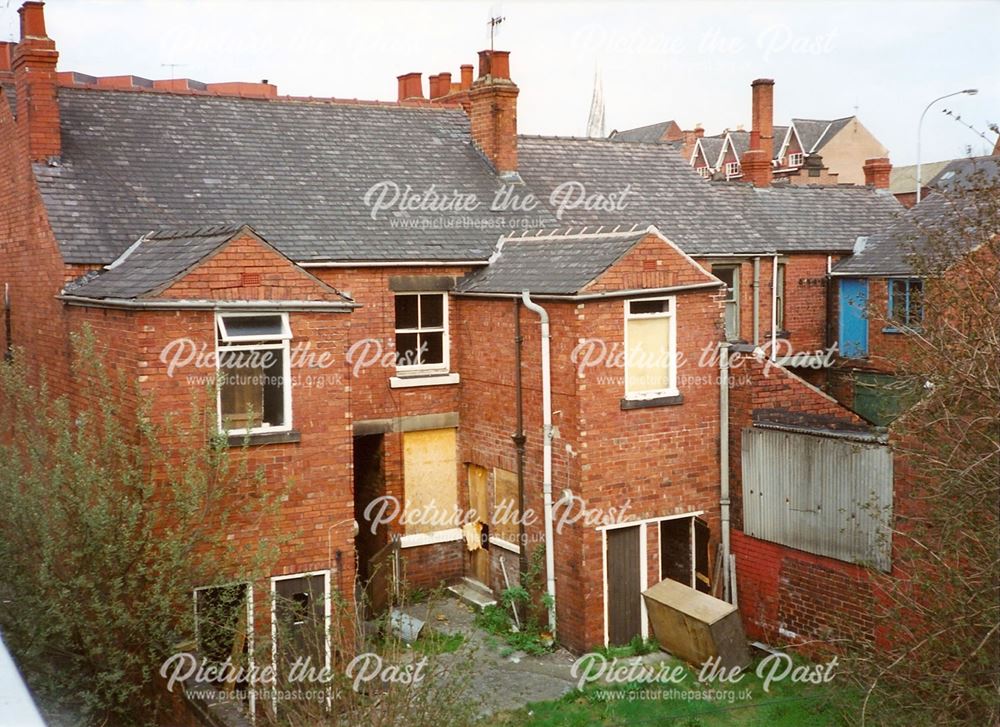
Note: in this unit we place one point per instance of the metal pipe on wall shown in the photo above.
(550, 564)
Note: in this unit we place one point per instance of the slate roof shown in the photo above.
(966, 173)
(155, 261)
(741, 141)
(919, 231)
(700, 216)
(815, 133)
(816, 218)
(296, 170)
(549, 265)
(712, 146)
(650, 133)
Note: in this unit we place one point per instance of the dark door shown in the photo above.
(624, 590)
(369, 485)
(702, 578)
(675, 550)
(300, 620)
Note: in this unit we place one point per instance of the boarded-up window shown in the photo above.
(506, 515)
(649, 348)
(430, 480)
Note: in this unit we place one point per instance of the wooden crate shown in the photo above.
(694, 626)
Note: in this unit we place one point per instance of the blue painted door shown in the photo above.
(853, 318)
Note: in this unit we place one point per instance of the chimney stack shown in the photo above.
(493, 112)
(410, 86)
(34, 66)
(877, 172)
(756, 161)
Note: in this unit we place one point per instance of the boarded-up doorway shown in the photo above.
(478, 561)
(624, 584)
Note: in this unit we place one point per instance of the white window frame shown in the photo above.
(705, 171)
(421, 369)
(796, 159)
(733, 169)
(279, 342)
(671, 389)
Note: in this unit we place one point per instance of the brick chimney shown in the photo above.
(877, 172)
(493, 111)
(34, 66)
(6, 50)
(410, 86)
(756, 161)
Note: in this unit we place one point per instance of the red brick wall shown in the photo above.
(30, 262)
(371, 395)
(663, 459)
(805, 300)
(787, 595)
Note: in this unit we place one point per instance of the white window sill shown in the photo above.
(505, 544)
(645, 395)
(413, 380)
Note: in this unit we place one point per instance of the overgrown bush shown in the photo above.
(104, 532)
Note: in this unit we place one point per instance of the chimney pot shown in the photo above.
(494, 63)
(32, 20)
(444, 83)
(467, 70)
(5, 53)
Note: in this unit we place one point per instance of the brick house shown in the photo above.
(240, 220)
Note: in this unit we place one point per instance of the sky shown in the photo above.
(688, 61)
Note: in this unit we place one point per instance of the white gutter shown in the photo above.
(724, 459)
(550, 562)
(774, 306)
(607, 295)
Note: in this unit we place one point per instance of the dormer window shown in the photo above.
(706, 172)
(796, 159)
(733, 170)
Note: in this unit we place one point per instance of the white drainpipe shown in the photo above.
(774, 306)
(550, 562)
(724, 459)
(756, 301)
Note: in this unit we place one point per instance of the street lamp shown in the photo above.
(967, 92)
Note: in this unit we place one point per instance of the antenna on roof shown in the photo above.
(495, 20)
(173, 68)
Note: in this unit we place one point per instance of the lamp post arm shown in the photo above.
(920, 127)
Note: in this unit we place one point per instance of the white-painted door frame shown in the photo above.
(643, 560)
